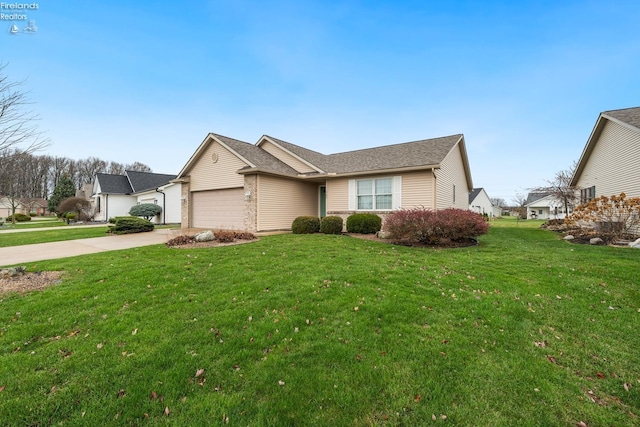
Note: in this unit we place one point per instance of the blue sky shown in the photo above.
(524, 81)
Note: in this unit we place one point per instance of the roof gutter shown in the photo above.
(331, 175)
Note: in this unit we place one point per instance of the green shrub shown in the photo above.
(145, 210)
(19, 217)
(129, 224)
(71, 216)
(331, 225)
(364, 223)
(305, 225)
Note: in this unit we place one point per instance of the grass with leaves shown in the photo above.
(523, 329)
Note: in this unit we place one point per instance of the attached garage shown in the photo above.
(219, 209)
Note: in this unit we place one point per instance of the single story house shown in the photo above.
(114, 195)
(609, 162)
(231, 184)
(480, 202)
(28, 205)
(545, 206)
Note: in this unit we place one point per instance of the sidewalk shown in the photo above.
(68, 248)
(64, 227)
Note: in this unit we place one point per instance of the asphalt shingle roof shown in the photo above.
(257, 156)
(131, 182)
(627, 115)
(142, 181)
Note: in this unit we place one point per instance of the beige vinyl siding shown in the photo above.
(337, 195)
(450, 174)
(613, 164)
(285, 157)
(417, 190)
(209, 175)
(280, 201)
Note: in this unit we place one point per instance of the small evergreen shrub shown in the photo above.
(145, 210)
(412, 226)
(331, 225)
(129, 224)
(364, 223)
(19, 217)
(305, 225)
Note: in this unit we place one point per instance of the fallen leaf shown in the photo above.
(552, 359)
(582, 424)
(2, 388)
(433, 417)
(121, 393)
(154, 395)
(600, 375)
(418, 398)
(135, 331)
(99, 346)
(280, 382)
(542, 344)
(74, 333)
(443, 416)
(627, 386)
(199, 372)
(166, 411)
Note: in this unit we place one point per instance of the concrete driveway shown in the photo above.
(42, 251)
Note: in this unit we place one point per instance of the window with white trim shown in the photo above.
(375, 193)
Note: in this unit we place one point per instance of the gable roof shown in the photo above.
(474, 193)
(131, 182)
(426, 153)
(628, 117)
(536, 195)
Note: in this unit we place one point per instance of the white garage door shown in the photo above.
(219, 209)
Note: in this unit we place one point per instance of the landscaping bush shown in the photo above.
(145, 210)
(413, 226)
(129, 224)
(615, 216)
(19, 217)
(331, 225)
(225, 236)
(305, 225)
(364, 223)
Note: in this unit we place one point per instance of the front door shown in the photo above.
(323, 201)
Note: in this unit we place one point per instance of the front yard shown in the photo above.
(523, 329)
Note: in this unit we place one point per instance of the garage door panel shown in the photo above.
(221, 209)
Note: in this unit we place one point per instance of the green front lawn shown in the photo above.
(524, 329)
(69, 233)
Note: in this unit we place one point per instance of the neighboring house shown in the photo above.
(230, 184)
(609, 162)
(545, 206)
(480, 202)
(37, 206)
(114, 195)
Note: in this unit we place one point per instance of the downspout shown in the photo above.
(106, 207)
(164, 197)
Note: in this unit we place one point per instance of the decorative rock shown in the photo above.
(12, 271)
(569, 237)
(635, 244)
(205, 236)
(382, 234)
(596, 241)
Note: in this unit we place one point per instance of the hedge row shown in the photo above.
(364, 223)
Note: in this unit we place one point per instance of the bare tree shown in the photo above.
(560, 188)
(520, 200)
(138, 167)
(87, 169)
(497, 201)
(115, 168)
(18, 128)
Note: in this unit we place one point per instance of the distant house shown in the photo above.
(541, 205)
(231, 184)
(27, 205)
(609, 164)
(480, 202)
(114, 195)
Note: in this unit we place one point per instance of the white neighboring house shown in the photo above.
(545, 206)
(480, 202)
(114, 195)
